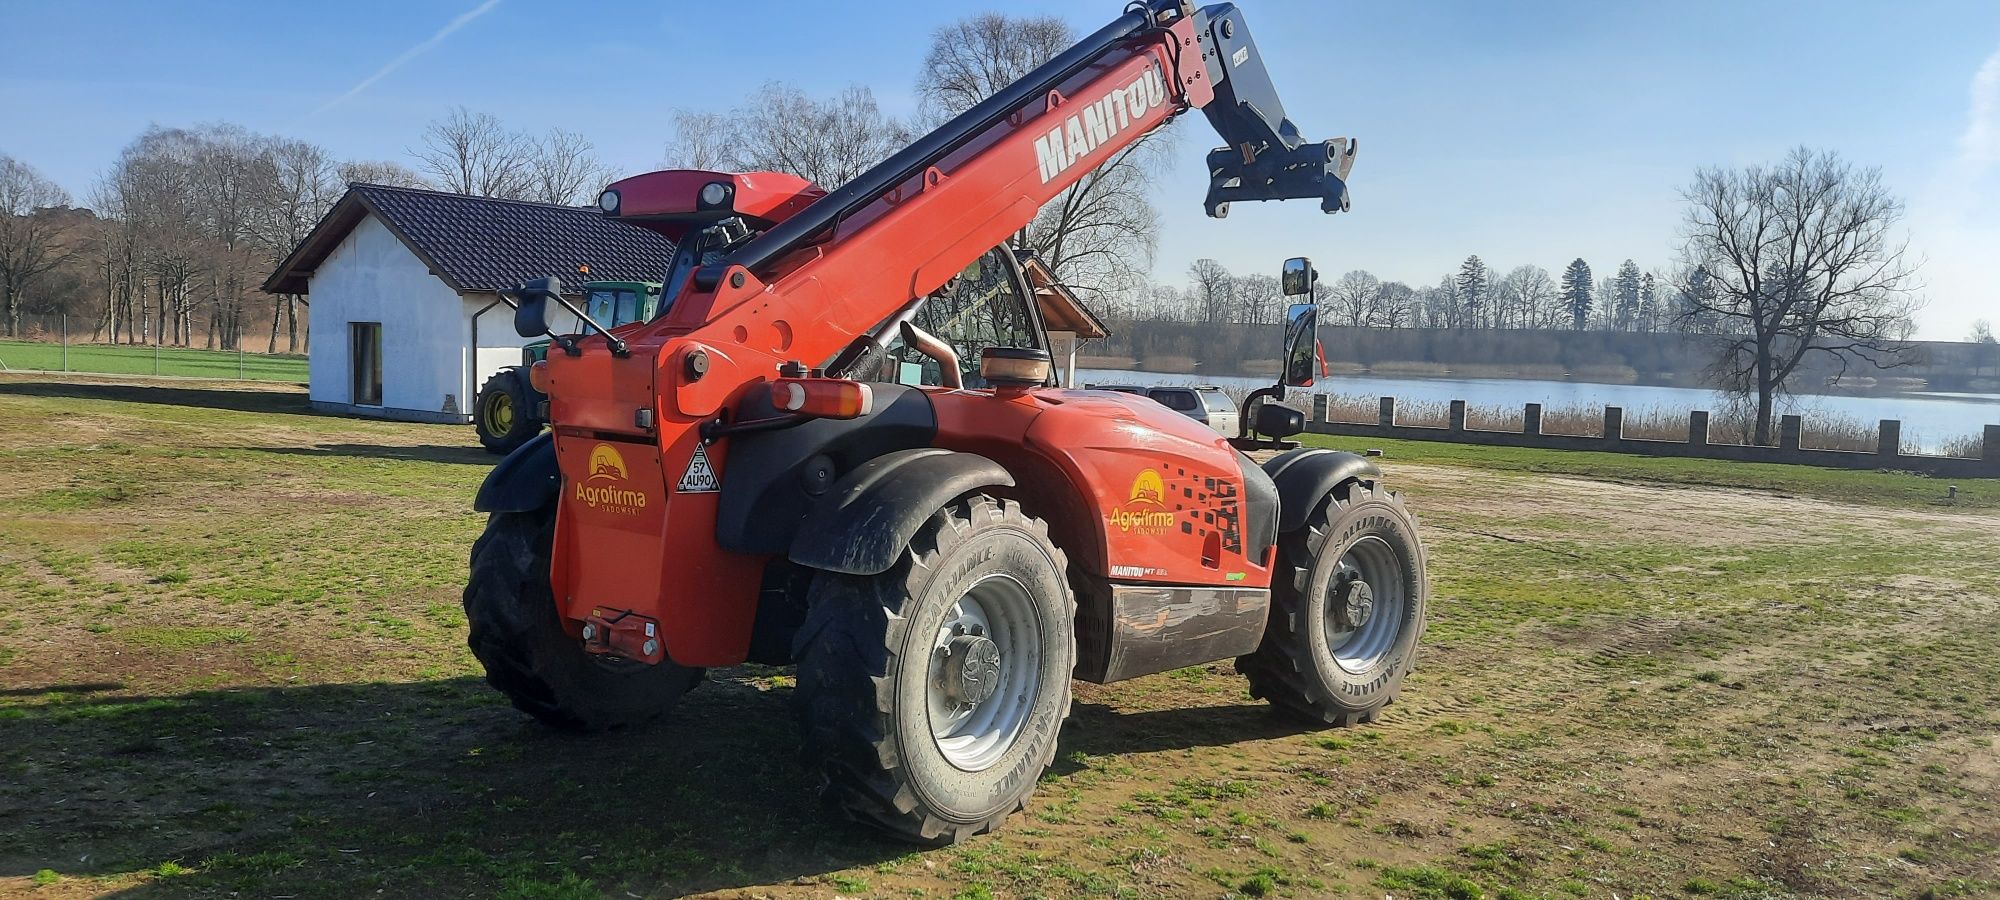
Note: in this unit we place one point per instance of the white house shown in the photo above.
(402, 286)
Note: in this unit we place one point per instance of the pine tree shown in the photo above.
(1576, 293)
(1649, 303)
(1472, 292)
(1628, 296)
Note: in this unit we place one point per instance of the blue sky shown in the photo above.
(1526, 133)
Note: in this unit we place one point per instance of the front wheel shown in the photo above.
(1347, 609)
(931, 695)
(518, 637)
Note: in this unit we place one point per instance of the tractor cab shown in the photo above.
(509, 410)
(613, 303)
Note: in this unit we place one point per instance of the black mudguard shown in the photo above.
(862, 525)
(526, 480)
(1306, 475)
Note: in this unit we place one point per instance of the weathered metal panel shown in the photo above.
(1143, 629)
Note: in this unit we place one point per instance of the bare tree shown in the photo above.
(31, 237)
(564, 171)
(1526, 298)
(1395, 306)
(975, 57)
(782, 129)
(473, 153)
(1212, 290)
(1982, 333)
(1099, 235)
(1353, 298)
(1799, 258)
(305, 185)
(369, 171)
(702, 140)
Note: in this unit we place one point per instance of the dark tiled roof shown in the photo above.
(483, 244)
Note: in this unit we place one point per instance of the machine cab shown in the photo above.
(617, 303)
(985, 306)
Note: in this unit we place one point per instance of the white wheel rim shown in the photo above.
(972, 736)
(1357, 650)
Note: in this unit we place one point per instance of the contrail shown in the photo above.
(410, 54)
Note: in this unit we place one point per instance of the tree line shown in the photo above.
(1475, 297)
(175, 239)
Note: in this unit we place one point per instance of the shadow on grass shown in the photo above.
(288, 402)
(1096, 729)
(414, 789)
(434, 788)
(439, 453)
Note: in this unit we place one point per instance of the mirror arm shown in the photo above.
(618, 347)
(567, 343)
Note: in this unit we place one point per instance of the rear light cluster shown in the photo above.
(825, 398)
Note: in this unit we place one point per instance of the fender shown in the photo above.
(1307, 474)
(862, 525)
(527, 480)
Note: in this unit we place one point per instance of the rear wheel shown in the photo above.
(1347, 609)
(931, 695)
(504, 414)
(528, 656)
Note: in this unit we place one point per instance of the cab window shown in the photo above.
(982, 308)
(613, 308)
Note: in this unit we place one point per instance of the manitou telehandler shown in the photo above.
(750, 476)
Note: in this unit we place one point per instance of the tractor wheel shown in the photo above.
(529, 657)
(1347, 608)
(931, 695)
(504, 414)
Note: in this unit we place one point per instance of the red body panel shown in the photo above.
(1143, 493)
(902, 246)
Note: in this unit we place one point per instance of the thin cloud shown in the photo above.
(1981, 142)
(412, 53)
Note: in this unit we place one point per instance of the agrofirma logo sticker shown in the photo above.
(1145, 507)
(604, 488)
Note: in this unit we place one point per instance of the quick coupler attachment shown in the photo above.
(1309, 170)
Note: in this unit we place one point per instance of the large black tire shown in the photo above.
(528, 656)
(868, 655)
(1362, 527)
(504, 413)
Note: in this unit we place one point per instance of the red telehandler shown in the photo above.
(840, 445)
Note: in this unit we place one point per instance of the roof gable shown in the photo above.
(479, 244)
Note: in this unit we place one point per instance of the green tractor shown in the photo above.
(509, 410)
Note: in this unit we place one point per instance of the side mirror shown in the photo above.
(1278, 420)
(531, 305)
(1301, 345)
(1297, 277)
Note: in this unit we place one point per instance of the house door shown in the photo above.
(364, 352)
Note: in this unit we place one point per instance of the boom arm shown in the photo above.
(901, 229)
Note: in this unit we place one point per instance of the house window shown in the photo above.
(364, 352)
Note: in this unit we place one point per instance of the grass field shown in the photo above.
(232, 664)
(115, 359)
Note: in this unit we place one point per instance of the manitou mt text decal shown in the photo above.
(1088, 129)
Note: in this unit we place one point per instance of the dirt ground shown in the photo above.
(232, 664)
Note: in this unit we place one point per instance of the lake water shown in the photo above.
(1928, 419)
